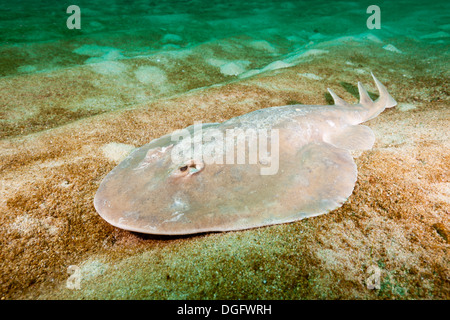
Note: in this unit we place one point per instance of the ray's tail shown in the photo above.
(373, 108)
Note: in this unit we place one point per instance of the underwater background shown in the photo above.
(73, 102)
(141, 50)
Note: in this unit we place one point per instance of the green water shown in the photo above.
(34, 36)
(129, 53)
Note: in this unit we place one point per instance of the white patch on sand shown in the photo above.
(27, 225)
(229, 68)
(249, 73)
(317, 36)
(392, 139)
(234, 68)
(94, 50)
(110, 56)
(311, 76)
(171, 38)
(216, 62)
(263, 45)
(116, 151)
(436, 35)
(390, 47)
(109, 67)
(170, 46)
(180, 53)
(313, 52)
(27, 68)
(99, 53)
(406, 106)
(441, 192)
(24, 224)
(96, 25)
(295, 57)
(99, 103)
(276, 65)
(295, 38)
(279, 64)
(151, 75)
(92, 268)
(360, 71)
(371, 37)
(51, 164)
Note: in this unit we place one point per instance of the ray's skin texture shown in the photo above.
(150, 193)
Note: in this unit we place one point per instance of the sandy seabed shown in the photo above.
(390, 240)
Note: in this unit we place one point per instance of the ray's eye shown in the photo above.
(189, 168)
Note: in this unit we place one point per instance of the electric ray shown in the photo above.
(270, 166)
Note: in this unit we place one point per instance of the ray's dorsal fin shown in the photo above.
(385, 98)
(338, 101)
(384, 101)
(364, 98)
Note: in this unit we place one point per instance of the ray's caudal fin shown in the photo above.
(374, 108)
